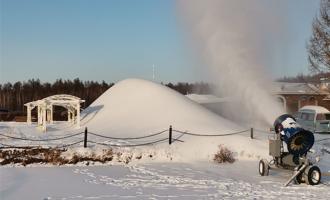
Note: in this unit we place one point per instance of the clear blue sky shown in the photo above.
(112, 40)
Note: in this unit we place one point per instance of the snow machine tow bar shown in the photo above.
(298, 142)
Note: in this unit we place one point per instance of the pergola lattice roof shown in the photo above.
(58, 100)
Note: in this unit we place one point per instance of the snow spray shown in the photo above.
(233, 38)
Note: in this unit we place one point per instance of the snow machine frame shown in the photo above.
(303, 169)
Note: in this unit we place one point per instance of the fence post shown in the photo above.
(251, 133)
(85, 138)
(170, 136)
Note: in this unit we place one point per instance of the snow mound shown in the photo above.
(135, 107)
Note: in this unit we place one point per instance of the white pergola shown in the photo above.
(45, 109)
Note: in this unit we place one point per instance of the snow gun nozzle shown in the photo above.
(299, 141)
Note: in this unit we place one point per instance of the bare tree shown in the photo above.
(319, 44)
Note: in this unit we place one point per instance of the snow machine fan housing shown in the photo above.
(299, 141)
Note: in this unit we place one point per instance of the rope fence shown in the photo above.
(210, 135)
(68, 145)
(129, 145)
(128, 138)
(41, 140)
(264, 131)
(170, 138)
(6, 146)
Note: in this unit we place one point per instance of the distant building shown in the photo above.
(293, 96)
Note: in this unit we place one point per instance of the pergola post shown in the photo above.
(78, 114)
(39, 115)
(29, 121)
(44, 117)
(48, 115)
(69, 116)
(72, 117)
(51, 114)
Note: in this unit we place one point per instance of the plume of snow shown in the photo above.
(233, 38)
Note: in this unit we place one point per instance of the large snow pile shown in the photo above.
(136, 107)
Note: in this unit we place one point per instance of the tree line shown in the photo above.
(13, 96)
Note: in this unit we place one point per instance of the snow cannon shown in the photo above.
(299, 141)
(289, 147)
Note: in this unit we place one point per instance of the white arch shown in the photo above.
(284, 101)
(45, 108)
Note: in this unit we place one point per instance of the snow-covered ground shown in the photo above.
(183, 170)
(153, 181)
